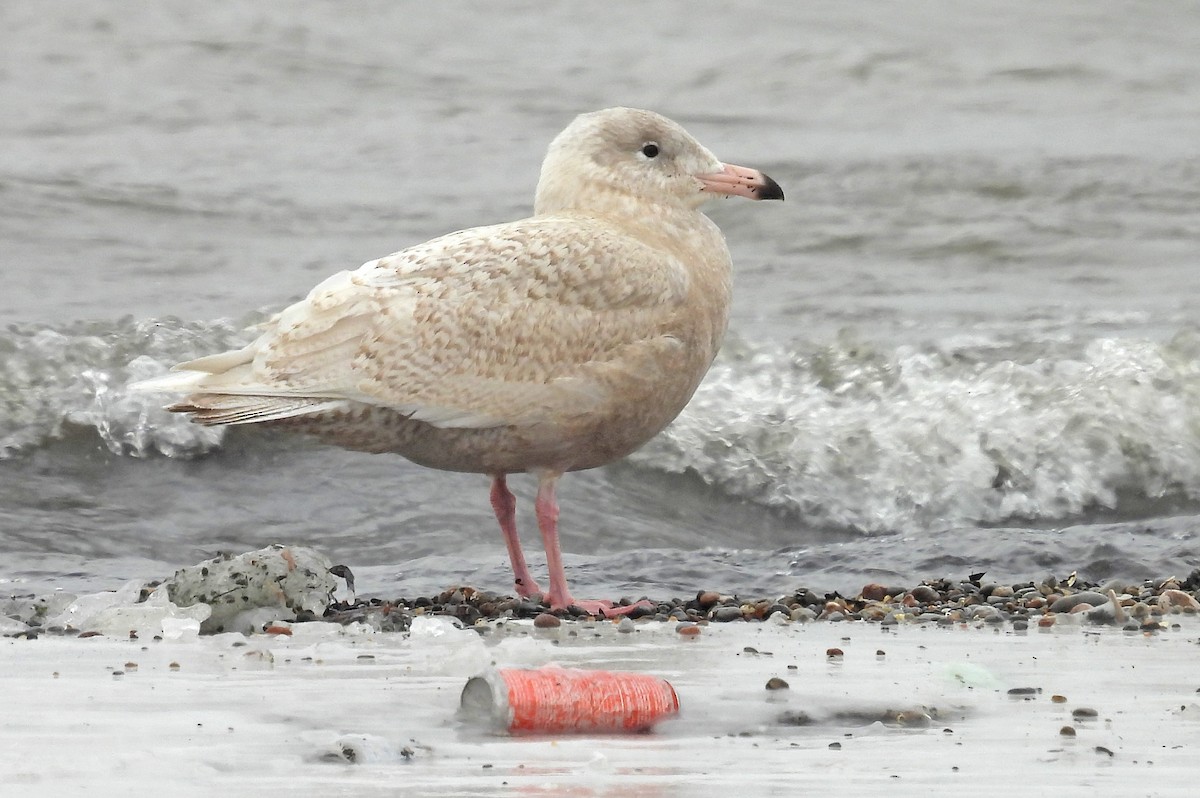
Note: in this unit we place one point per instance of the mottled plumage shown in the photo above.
(554, 343)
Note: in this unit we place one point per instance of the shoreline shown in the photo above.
(766, 708)
(1148, 605)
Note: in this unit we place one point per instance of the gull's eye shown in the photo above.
(650, 149)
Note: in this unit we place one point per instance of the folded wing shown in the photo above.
(530, 322)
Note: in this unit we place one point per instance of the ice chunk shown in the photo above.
(11, 626)
(432, 627)
(123, 611)
(180, 628)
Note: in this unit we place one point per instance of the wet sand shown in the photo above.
(326, 708)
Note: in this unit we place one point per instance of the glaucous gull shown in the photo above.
(555, 343)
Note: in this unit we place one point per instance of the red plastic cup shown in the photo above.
(554, 700)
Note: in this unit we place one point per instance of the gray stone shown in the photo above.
(726, 614)
(1066, 603)
(925, 594)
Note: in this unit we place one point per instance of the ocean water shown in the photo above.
(967, 342)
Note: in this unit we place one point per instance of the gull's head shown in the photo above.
(609, 159)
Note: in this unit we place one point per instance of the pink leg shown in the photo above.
(559, 597)
(505, 506)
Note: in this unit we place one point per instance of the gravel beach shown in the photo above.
(771, 707)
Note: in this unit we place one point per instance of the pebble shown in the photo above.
(776, 608)
(1066, 603)
(874, 592)
(834, 653)
(775, 683)
(726, 614)
(625, 626)
(1067, 731)
(688, 629)
(547, 621)
(925, 594)
(1084, 712)
(1177, 598)
(913, 719)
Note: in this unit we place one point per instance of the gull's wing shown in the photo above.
(535, 321)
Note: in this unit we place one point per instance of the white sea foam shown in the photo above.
(850, 435)
(903, 439)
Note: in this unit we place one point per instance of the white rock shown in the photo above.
(282, 581)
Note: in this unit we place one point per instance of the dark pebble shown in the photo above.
(1084, 712)
(641, 612)
(808, 598)
(726, 614)
(925, 594)
(547, 621)
(1067, 731)
(466, 613)
(775, 683)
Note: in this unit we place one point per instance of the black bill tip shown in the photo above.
(769, 190)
